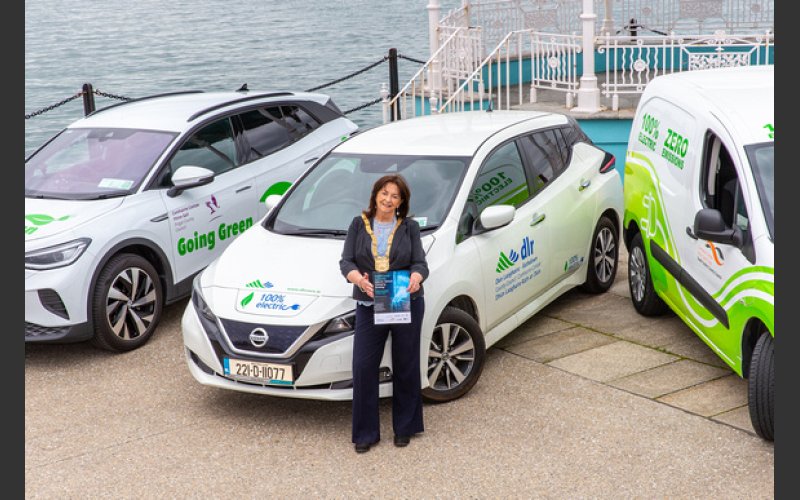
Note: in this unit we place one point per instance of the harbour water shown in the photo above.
(134, 49)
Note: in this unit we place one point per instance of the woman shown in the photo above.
(383, 239)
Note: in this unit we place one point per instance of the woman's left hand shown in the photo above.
(414, 282)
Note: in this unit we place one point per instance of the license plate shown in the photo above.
(267, 373)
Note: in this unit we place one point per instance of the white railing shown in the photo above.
(510, 75)
(455, 60)
(631, 65)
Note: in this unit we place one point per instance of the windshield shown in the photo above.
(85, 163)
(762, 161)
(338, 188)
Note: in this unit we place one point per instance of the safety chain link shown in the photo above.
(54, 106)
(112, 96)
(347, 77)
(401, 56)
(357, 108)
(351, 75)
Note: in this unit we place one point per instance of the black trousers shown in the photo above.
(368, 345)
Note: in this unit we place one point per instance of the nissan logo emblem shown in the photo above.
(259, 337)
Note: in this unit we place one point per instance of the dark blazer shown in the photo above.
(406, 253)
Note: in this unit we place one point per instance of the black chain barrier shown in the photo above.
(334, 82)
(366, 105)
(54, 106)
(112, 96)
(351, 75)
(401, 56)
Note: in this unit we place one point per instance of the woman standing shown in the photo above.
(379, 240)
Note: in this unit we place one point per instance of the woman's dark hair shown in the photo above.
(405, 195)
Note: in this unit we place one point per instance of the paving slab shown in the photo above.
(710, 398)
(606, 313)
(658, 331)
(692, 347)
(560, 344)
(738, 417)
(534, 327)
(668, 378)
(612, 361)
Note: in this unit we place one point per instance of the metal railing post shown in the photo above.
(88, 99)
(394, 84)
(385, 103)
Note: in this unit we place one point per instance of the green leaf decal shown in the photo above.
(247, 299)
(277, 188)
(39, 219)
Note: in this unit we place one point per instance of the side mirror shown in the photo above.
(272, 200)
(187, 177)
(494, 217)
(709, 225)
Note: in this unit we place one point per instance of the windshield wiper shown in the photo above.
(317, 232)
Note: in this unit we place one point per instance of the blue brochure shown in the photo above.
(392, 300)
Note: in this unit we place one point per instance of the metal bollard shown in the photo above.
(88, 99)
(385, 103)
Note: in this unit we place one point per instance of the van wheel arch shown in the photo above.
(750, 336)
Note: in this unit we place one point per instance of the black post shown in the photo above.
(394, 84)
(88, 99)
(633, 27)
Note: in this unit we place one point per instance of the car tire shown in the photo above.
(644, 297)
(457, 351)
(761, 387)
(603, 259)
(126, 304)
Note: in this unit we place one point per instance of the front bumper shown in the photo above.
(56, 307)
(323, 371)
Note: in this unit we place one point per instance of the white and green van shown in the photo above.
(699, 216)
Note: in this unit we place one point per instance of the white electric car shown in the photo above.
(515, 207)
(126, 205)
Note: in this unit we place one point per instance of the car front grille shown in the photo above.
(279, 337)
(53, 303)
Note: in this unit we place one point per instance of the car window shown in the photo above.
(299, 121)
(720, 186)
(500, 181)
(338, 189)
(86, 163)
(545, 156)
(211, 147)
(762, 163)
(265, 132)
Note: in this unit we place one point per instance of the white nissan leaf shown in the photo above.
(515, 208)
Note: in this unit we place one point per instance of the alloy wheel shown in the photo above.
(131, 303)
(451, 356)
(604, 253)
(637, 272)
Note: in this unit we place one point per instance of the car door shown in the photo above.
(511, 257)
(708, 267)
(204, 220)
(282, 141)
(563, 194)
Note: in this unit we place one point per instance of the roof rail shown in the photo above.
(234, 101)
(145, 98)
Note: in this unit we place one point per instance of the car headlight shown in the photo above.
(207, 318)
(344, 323)
(56, 256)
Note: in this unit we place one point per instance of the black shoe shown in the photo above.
(401, 440)
(363, 447)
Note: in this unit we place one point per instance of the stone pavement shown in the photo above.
(603, 338)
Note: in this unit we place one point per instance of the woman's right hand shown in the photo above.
(365, 286)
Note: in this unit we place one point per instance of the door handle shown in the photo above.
(310, 160)
(585, 183)
(245, 188)
(537, 218)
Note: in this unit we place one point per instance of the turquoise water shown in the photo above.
(133, 49)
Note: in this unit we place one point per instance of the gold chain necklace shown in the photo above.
(381, 263)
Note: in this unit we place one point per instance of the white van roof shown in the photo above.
(743, 98)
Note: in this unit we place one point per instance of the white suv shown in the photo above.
(515, 208)
(126, 205)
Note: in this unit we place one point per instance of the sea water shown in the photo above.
(134, 49)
